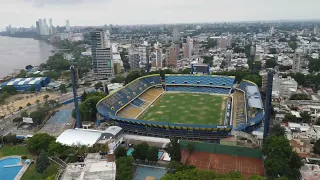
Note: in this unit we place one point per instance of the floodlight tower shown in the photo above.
(75, 97)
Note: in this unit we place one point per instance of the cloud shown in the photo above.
(44, 3)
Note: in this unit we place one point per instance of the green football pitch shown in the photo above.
(187, 108)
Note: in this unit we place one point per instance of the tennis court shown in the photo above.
(143, 172)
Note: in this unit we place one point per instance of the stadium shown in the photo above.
(199, 107)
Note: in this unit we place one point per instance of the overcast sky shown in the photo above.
(99, 12)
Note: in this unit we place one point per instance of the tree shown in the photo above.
(299, 97)
(28, 104)
(88, 109)
(140, 151)
(293, 45)
(124, 168)
(277, 130)
(132, 76)
(118, 79)
(190, 148)
(98, 85)
(29, 67)
(280, 159)
(120, 152)
(9, 89)
(84, 96)
(256, 177)
(208, 60)
(290, 118)
(32, 89)
(38, 116)
(106, 89)
(53, 102)
(63, 88)
(174, 150)
(152, 154)
(305, 116)
(56, 148)
(271, 63)
(316, 147)
(39, 142)
(17, 120)
(45, 97)
(254, 78)
(42, 162)
(272, 50)
(24, 114)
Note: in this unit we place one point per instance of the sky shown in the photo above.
(24, 13)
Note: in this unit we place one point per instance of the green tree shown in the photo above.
(208, 60)
(63, 88)
(29, 67)
(42, 162)
(277, 130)
(132, 76)
(254, 78)
(17, 120)
(53, 102)
(280, 158)
(272, 51)
(39, 142)
(271, 63)
(84, 96)
(24, 114)
(174, 150)
(120, 152)
(152, 154)
(299, 97)
(98, 85)
(305, 116)
(118, 79)
(45, 97)
(106, 89)
(140, 151)
(9, 89)
(56, 148)
(256, 177)
(290, 118)
(32, 89)
(38, 116)
(293, 45)
(124, 168)
(316, 147)
(88, 109)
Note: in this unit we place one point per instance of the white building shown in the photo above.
(228, 57)
(176, 34)
(94, 167)
(284, 87)
(68, 26)
(101, 54)
(142, 50)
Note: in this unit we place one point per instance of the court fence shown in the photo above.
(221, 149)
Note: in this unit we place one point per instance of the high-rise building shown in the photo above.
(186, 50)
(229, 40)
(46, 27)
(68, 29)
(38, 27)
(156, 58)
(143, 55)
(101, 55)
(50, 26)
(107, 39)
(173, 55)
(297, 59)
(41, 27)
(176, 34)
(271, 30)
(228, 57)
(316, 30)
(222, 43)
(134, 60)
(196, 49)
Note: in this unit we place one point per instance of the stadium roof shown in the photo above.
(24, 81)
(254, 98)
(79, 137)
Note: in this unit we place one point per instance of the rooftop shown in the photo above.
(79, 137)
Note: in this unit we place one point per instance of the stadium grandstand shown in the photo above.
(24, 84)
(153, 107)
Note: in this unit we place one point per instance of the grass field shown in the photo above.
(32, 174)
(186, 108)
(19, 150)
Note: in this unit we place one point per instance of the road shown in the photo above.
(6, 124)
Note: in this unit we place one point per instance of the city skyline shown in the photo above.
(99, 12)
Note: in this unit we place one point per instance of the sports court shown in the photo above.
(222, 163)
(56, 123)
(145, 172)
(187, 108)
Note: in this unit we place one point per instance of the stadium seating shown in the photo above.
(211, 90)
(137, 102)
(112, 103)
(239, 112)
(201, 80)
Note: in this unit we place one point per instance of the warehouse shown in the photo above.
(24, 84)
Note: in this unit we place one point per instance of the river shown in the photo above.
(16, 53)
